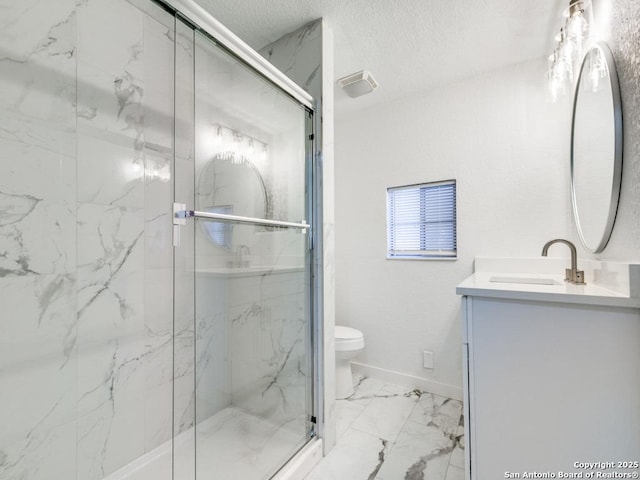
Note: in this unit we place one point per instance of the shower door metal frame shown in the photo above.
(200, 19)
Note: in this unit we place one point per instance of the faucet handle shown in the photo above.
(574, 276)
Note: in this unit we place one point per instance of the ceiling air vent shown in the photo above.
(358, 84)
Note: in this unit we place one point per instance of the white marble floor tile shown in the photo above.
(357, 456)
(365, 389)
(420, 452)
(441, 412)
(390, 432)
(385, 416)
(346, 413)
(457, 456)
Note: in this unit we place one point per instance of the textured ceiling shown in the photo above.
(408, 45)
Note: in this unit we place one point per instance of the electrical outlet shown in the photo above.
(427, 358)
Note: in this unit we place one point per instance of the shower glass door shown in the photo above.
(252, 330)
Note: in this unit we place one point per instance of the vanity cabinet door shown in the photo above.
(550, 384)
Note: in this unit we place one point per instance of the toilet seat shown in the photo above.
(348, 338)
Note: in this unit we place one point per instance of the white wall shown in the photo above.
(506, 146)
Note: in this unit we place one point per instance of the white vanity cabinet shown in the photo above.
(550, 383)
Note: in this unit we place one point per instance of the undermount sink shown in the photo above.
(525, 280)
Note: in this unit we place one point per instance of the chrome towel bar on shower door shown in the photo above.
(180, 215)
(240, 219)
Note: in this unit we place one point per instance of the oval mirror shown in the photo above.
(230, 184)
(596, 148)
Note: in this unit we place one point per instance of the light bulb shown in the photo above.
(218, 137)
(262, 156)
(559, 38)
(221, 139)
(237, 142)
(577, 26)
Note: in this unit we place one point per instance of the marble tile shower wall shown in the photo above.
(268, 331)
(38, 244)
(250, 345)
(86, 128)
(213, 391)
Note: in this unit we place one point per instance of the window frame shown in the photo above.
(451, 254)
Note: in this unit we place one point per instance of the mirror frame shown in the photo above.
(618, 141)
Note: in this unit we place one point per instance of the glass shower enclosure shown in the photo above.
(244, 228)
(156, 242)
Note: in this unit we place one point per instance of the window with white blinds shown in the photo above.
(421, 220)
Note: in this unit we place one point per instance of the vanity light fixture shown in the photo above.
(570, 42)
(238, 146)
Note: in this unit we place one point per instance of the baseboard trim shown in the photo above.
(424, 384)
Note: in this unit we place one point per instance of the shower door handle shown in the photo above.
(180, 214)
(178, 222)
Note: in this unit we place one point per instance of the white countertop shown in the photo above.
(621, 293)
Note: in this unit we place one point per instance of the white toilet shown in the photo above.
(349, 343)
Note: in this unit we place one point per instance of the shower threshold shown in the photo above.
(233, 443)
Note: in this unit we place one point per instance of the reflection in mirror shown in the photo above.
(230, 184)
(596, 148)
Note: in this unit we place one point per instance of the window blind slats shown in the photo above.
(422, 220)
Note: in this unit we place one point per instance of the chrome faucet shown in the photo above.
(242, 249)
(572, 275)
